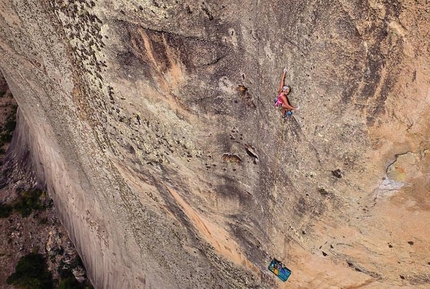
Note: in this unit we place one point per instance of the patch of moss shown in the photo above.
(28, 202)
(31, 273)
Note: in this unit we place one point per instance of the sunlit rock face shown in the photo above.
(153, 126)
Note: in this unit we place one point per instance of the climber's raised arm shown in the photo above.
(284, 73)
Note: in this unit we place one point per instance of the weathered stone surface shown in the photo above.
(140, 116)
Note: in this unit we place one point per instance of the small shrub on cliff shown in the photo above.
(68, 280)
(25, 204)
(70, 283)
(28, 202)
(5, 210)
(31, 273)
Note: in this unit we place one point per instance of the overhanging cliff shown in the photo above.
(152, 124)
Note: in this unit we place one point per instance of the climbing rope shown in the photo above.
(279, 145)
(256, 17)
(281, 136)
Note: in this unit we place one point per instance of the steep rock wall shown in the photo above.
(153, 126)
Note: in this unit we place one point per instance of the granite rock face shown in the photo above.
(152, 124)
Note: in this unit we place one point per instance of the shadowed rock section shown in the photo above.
(153, 126)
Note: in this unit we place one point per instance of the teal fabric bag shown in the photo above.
(277, 268)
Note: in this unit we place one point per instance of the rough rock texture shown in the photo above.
(39, 231)
(152, 124)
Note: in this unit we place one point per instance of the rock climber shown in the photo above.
(282, 98)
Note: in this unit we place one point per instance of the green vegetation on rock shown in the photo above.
(31, 273)
(27, 202)
(68, 280)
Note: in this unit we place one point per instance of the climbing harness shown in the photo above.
(278, 100)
